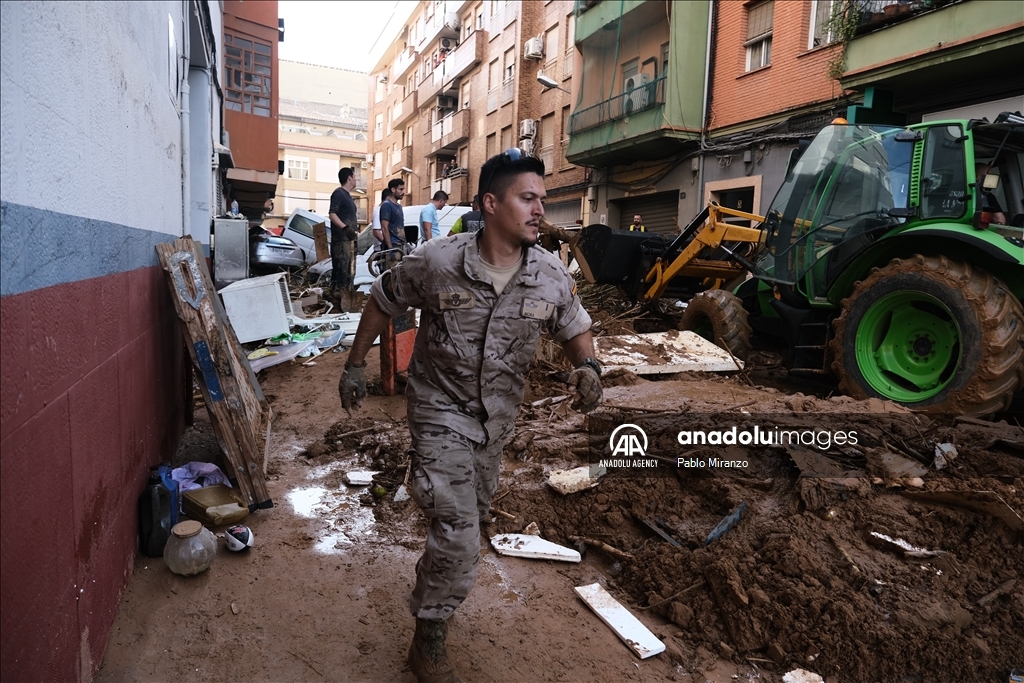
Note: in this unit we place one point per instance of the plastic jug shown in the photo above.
(158, 511)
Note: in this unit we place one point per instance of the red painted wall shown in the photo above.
(796, 77)
(91, 395)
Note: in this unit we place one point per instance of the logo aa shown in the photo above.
(628, 441)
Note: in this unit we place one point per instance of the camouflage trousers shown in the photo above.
(452, 481)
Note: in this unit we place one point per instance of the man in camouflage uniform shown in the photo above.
(484, 299)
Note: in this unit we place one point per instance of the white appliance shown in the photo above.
(258, 307)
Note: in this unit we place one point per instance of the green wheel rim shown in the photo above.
(908, 346)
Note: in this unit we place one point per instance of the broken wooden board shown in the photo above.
(532, 547)
(239, 413)
(627, 627)
(663, 353)
(986, 502)
(576, 479)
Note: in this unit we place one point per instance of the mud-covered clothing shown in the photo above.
(392, 212)
(452, 480)
(474, 346)
(341, 240)
(472, 351)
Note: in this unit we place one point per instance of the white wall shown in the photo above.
(89, 125)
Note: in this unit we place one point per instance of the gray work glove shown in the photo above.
(586, 381)
(352, 386)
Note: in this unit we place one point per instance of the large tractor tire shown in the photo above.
(932, 334)
(719, 317)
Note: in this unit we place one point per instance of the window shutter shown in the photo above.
(759, 20)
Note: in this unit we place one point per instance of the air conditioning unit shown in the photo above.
(369, 157)
(634, 82)
(527, 146)
(444, 102)
(638, 97)
(364, 164)
(448, 43)
(527, 128)
(534, 48)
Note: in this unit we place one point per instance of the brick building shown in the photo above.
(459, 84)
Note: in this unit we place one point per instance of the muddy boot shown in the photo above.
(428, 657)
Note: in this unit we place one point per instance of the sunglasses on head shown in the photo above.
(507, 157)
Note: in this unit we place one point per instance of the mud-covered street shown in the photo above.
(798, 582)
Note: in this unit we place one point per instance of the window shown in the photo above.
(247, 75)
(326, 170)
(570, 45)
(943, 178)
(378, 125)
(547, 143)
(491, 146)
(510, 63)
(629, 69)
(297, 168)
(551, 45)
(759, 35)
(322, 203)
(378, 166)
(506, 137)
(821, 29)
(295, 199)
(664, 60)
(464, 95)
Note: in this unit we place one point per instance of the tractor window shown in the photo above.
(943, 181)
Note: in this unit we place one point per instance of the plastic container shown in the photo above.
(190, 549)
(158, 511)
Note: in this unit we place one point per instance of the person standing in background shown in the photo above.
(638, 224)
(471, 221)
(344, 230)
(378, 234)
(429, 227)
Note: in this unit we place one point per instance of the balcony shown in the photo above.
(405, 109)
(403, 62)
(449, 132)
(435, 29)
(429, 88)
(463, 59)
(595, 16)
(625, 128)
(508, 90)
(456, 186)
(930, 54)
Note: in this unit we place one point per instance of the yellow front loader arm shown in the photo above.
(712, 233)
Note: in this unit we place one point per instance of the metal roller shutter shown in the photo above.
(658, 211)
(563, 214)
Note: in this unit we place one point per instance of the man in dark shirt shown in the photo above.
(392, 217)
(344, 229)
(471, 221)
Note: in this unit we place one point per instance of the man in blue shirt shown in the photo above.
(392, 217)
(429, 227)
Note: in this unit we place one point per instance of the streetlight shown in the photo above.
(549, 82)
(406, 169)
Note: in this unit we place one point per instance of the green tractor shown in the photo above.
(892, 258)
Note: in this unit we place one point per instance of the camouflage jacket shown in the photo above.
(474, 347)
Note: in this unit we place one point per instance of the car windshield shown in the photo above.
(844, 184)
(304, 226)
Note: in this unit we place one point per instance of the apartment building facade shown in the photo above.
(459, 84)
(322, 128)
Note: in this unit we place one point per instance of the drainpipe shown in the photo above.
(709, 71)
(186, 180)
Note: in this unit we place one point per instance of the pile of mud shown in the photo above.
(803, 579)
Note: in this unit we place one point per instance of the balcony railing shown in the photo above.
(872, 14)
(511, 12)
(547, 155)
(645, 97)
(463, 58)
(492, 99)
(401, 65)
(405, 110)
(455, 186)
(508, 89)
(450, 131)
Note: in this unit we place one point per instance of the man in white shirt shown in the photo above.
(378, 235)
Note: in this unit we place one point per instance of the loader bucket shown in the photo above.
(613, 257)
